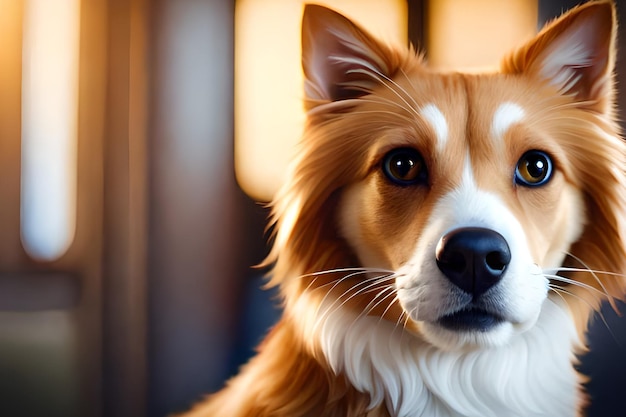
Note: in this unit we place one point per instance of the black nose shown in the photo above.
(473, 258)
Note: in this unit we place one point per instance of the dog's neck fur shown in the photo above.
(529, 377)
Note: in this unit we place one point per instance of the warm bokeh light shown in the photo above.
(473, 35)
(268, 80)
(10, 11)
(49, 125)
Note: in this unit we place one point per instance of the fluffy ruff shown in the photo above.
(397, 159)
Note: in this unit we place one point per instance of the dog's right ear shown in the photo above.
(340, 60)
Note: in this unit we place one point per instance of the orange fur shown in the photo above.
(352, 124)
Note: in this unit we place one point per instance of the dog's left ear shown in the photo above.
(340, 59)
(575, 53)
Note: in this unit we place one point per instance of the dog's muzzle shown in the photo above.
(473, 259)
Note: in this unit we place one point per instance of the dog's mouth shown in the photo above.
(470, 319)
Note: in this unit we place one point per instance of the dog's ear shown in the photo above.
(340, 59)
(575, 53)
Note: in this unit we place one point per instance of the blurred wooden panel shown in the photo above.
(196, 222)
(84, 257)
(125, 205)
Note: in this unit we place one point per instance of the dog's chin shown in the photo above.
(451, 337)
(471, 329)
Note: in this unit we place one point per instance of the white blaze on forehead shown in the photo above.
(437, 120)
(505, 116)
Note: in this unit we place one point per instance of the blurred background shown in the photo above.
(137, 139)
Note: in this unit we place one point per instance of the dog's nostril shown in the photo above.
(497, 260)
(472, 258)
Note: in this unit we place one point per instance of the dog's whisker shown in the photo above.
(395, 299)
(370, 307)
(381, 278)
(402, 323)
(576, 283)
(372, 287)
(570, 269)
(347, 269)
(595, 276)
(413, 314)
(334, 285)
(371, 282)
(558, 289)
(391, 303)
(389, 290)
(308, 287)
(352, 293)
(339, 281)
(562, 290)
(400, 318)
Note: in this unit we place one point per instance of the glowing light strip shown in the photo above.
(49, 126)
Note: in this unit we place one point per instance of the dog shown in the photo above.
(442, 238)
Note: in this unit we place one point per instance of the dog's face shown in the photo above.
(469, 198)
(466, 192)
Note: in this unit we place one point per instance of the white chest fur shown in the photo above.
(532, 376)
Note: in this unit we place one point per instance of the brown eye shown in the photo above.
(533, 169)
(405, 166)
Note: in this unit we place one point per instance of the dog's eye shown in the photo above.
(404, 166)
(533, 169)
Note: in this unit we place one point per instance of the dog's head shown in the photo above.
(455, 205)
